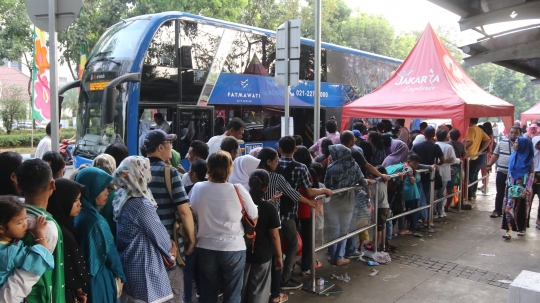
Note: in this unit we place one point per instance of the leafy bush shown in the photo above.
(17, 140)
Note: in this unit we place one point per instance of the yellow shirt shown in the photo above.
(477, 136)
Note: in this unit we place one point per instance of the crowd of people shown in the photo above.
(138, 229)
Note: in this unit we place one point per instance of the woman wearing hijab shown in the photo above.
(64, 205)
(341, 173)
(242, 169)
(536, 185)
(520, 172)
(96, 240)
(107, 163)
(9, 162)
(142, 238)
(532, 131)
(398, 153)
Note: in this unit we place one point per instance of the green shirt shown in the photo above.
(50, 288)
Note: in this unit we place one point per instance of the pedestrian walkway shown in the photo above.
(463, 261)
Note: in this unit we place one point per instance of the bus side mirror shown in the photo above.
(110, 95)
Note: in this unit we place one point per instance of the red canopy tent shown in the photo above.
(532, 114)
(429, 84)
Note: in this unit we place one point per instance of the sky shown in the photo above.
(407, 15)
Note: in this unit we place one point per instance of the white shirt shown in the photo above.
(214, 145)
(186, 180)
(164, 126)
(219, 215)
(448, 152)
(43, 147)
(17, 286)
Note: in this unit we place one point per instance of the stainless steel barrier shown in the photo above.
(312, 286)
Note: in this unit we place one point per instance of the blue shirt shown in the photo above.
(141, 241)
(166, 206)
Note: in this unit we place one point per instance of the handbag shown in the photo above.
(179, 232)
(247, 223)
(398, 205)
(285, 246)
(516, 190)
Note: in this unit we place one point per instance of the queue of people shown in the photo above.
(136, 229)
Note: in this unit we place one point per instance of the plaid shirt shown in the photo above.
(299, 179)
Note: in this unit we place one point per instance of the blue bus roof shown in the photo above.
(162, 17)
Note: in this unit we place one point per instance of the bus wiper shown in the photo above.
(95, 55)
(110, 59)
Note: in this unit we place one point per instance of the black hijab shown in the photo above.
(60, 205)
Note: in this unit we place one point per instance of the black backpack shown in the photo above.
(287, 204)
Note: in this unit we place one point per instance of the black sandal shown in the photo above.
(507, 236)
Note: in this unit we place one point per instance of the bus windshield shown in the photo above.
(92, 136)
(120, 41)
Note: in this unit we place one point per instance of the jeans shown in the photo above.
(412, 218)
(424, 190)
(474, 169)
(441, 192)
(389, 227)
(305, 234)
(191, 273)
(275, 285)
(221, 269)
(351, 245)
(340, 211)
(288, 232)
(500, 183)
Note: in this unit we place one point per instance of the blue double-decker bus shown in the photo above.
(199, 73)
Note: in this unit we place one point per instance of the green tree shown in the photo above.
(71, 101)
(12, 105)
(368, 32)
(335, 14)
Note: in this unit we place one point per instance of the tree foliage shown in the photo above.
(12, 105)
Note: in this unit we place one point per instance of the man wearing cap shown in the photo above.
(45, 144)
(359, 130)
(161, 123)
(158, 146)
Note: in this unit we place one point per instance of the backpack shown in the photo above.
(287, 204)
(179, 232)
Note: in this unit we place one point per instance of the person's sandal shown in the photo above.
(494, 215)
(507, 236)
(282, 298)
(521, 233)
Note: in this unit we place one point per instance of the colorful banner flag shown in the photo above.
(41, 106)
(82, 60)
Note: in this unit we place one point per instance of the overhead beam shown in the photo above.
(519, 68)
(524, 11)
(535, 81)
(449, 5)
(517, 51)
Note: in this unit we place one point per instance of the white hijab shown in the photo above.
(419, 138)
(536, 158)
(242, 169)
(132, 176)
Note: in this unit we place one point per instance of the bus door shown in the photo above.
(147, 112)
(194, 123)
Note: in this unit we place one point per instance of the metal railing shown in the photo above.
(468, 162)
(313, 286)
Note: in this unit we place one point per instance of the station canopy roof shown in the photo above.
(517, 48)
(429, 84)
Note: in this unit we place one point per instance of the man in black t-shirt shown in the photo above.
(430, 154)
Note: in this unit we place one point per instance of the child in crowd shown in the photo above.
(35, 179)
(257, 273)
(383, 208)
(22, 266)
(410, 190)
(197, 173)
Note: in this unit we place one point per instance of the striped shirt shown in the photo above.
(504, 149)
(299, 179)
(166, 207)
(278, 183)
